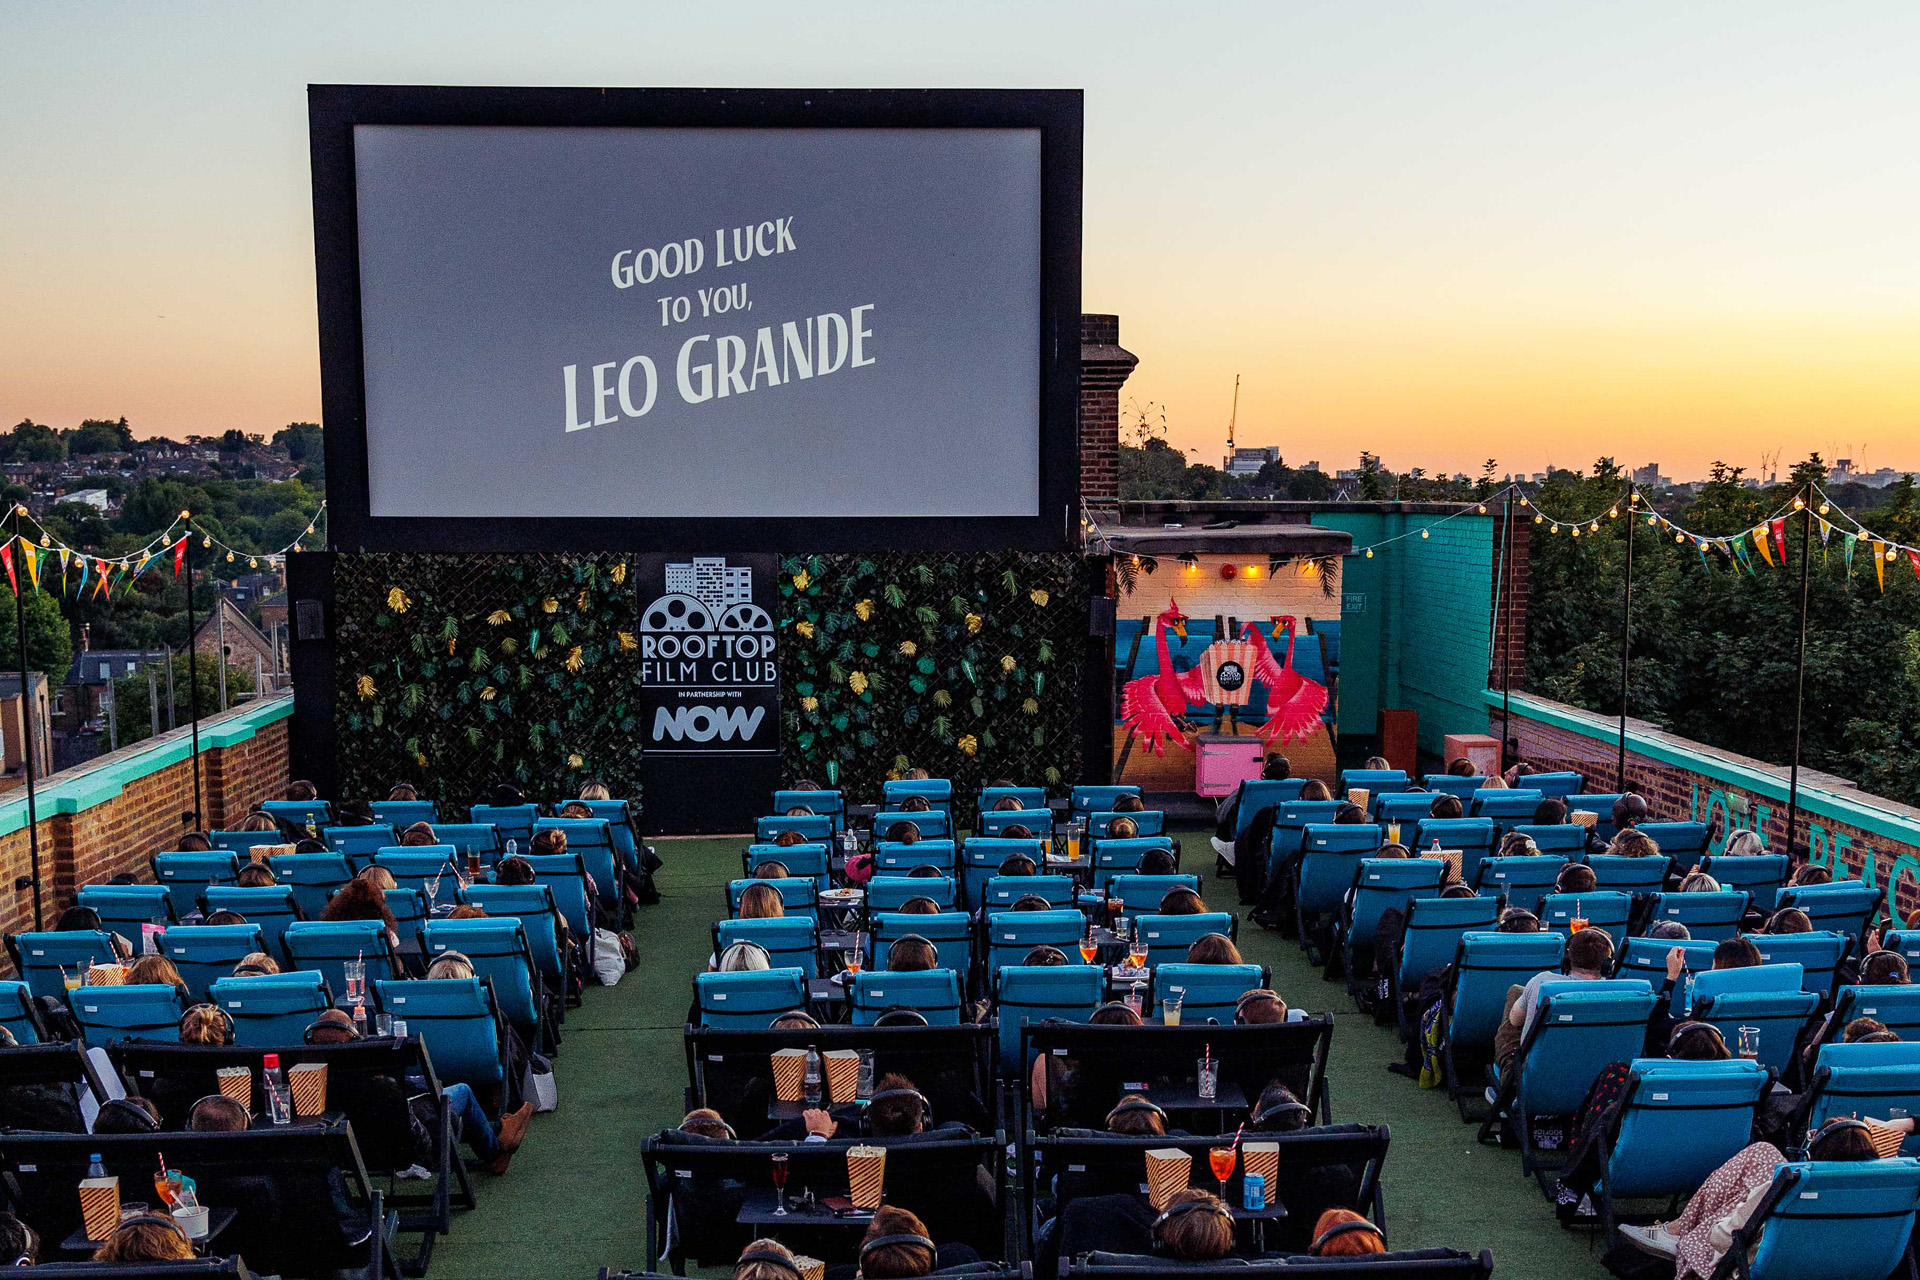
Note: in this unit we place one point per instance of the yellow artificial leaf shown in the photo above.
(574, 761)
(1031, 706)
(857, 682)
(974, 622)
(509, 645)
(968, 745)
(908, 648)
(627, 643)
(580, 601)
(1007, 663)
(397, 600)
(863, 610)
(489, 693)
(574, 660)
(619, 574)
(804, 628)
(365, 686)
(1039, 597)
(420, 758)
(550, 605)
(802, 580)
(499, 617)
(809, 704)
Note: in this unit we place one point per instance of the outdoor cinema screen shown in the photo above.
(663, 323)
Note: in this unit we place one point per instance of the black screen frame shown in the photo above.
(1058, 115)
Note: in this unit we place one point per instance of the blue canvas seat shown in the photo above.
(1148, 822)
(890, 893)
(1845, 906)
(1760, 874)
(592, 839)
(1646, 958)
(1084, 800)
(513, 821)
(1330, 855)
(147, 1011)
(1629, 875)
(472, 839)
(1522, 881)
(271, 907)
(826, 804)
(273, 1009)
(306, 815)
(748, 1001)
(1817, 954)
(1142, 895)
(808, 826)
(950, 932)
(325, 946)
(899, 858)
(1606, 910)
(187, 872)
(1759, 977)
(1029, 995)
(1580, 1028)
(1383, 884)
(1896, 1007)
(40, 958)
(241, 842)
(204, 953)
(1290, 829)
(1779, 1017)
(1023, 797)
(981, 856)
(1121, 855)
(123, 908)
(1001, 892)
(797, 896)
(933, 824)
(1567, 839)
(1211, 990)
(810, 860)
(932, 993)
(1714, 917)
(1377, 781)
(1263, 793)
(1865, 1080)
(1011, 934)
(1452, 784)
(17, 1013)
(567, 876)
(997, 822)
(455, 1019)
(433, 869)
(1601, 804)
(1684, 843)
(1829, 1220)
(401, 814)
(409, 908)
(1474, 837)
(1404, 807)
(618, 815)
(1433, 932)
(791, 942)
(359, 844)
(499, 953)
(1487, 964)
(1557, 786)
(1678, 1122)
(533, 906)
(937, 792)
(313, 878)
(1168, 937)
(1505, 805)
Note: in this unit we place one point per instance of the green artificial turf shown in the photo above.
(575, 1198)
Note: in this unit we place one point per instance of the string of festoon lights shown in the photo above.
(32, 547)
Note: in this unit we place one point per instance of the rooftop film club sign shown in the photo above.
(709, 673)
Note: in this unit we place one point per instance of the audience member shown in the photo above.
(1342, 1233)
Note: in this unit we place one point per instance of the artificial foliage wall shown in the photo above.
(454, 673)
(967, 666)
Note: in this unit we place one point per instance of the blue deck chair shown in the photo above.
(17, 1013)
(205, 953)
(1905, 941)
(937, 792)
(933, 824)
(1038, 821)
(1011, 934)
(813, 826)
(1845, 906)
(271, 906)
(1898, 1007)
(409, 908)
(1148, 822)
(272, 1010)
(1714, 917)
(592, 839)
(1865, 1079)
(791, 942)
(240, 842)
(1486, 965)
(618, 815)
(827, 804)
(1760, 874)
(890, 893)
(187, 872)
(1557, 786)
(1817, 954)
(810, 860)
(1380, 885)
(932, 993)
(1330, 856)
(950, 932)
(1678, 1122)
(748, 1001)
(1432, 936)
(432, 869)
(1829, 1220)
(359, 844)
(798, 896)
(1504, 805)
(1601, 804)
(1580, 1028)
(898, 859)
(325, 946)
(513, 821)
(454, 1017)
(1685, 843)
(499, 953)
(1646, 959)
(1522, 881)
(401, 814)
(1263, 793)
(1376, 781)
(313, 878)
(1029, 996)
(1001, 892)
(1121, 856)
(123, 908)
(1142, 895)
(1290, 827)
(1097, 799)
(567, 876)
(1168, 937)
(39, 958)
(470, 838)
(534, 907)
(1212, 990)
(1779, 1017)
(1024, 797)
(1566, 839)
(981, 856)
(1404, 807)
(1607, 910)
(1474, 837)
(1452, 784)
(148, 1011)
(310, 815)
(1759, 977)
(1629, 875)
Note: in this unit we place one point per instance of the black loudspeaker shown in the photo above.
(1100, 616)
(309, 620)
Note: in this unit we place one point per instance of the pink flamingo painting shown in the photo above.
(1155, 707)
(1294, 703)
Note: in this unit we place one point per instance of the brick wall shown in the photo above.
(1861, 837)
(1104, 369)
(1510, 614)
(114, 813)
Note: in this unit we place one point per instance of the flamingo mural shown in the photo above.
(1154, 708)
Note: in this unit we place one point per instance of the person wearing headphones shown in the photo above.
(766, 1259)
(131, 1114)
(897, 1245)
(146, 1238)
(1342, 1233)
(1196, 1226)
(19, 1243)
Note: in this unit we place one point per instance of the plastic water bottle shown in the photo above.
(812, 1082)
(279, 1101)
(513, 848)
(863, 1085)
(94, 1168)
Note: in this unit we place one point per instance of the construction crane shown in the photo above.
(1233, 417)
(1769, 464)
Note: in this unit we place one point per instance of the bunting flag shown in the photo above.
(179, 554)
(33, 563)
(1914, 556)
(84, 572)
(1700, 545)
(1760, 541)
(1880, 565)
(65, 557)
(1779, 526)
(151, 557)
(103, 582)
(6, 557)
(1739, 549)
(1850, 541)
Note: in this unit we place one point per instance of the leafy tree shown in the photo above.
(234, 441)
(302, 441)
(133, 706)
(34, 442)
(98, 435)
(1372, 487)
(49, 643)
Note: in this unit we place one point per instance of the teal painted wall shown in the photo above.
(1416, 621)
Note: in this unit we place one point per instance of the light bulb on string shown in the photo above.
(1799, 504)
(206, 542)
(1523, 501)
(1369, 553)
(1652, 521)
(1613, 513)
(1576, 531)
(1823, 508)
(1424, 533)
(1538, 518)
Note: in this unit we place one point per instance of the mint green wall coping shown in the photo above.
(82, 787)
(1845, 806)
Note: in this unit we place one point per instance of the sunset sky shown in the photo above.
(1443, 232)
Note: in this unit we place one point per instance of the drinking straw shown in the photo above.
(1236, 1134)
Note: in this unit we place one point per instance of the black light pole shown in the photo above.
(1800, 670)
(27, 725)
(193, 683)
(1506, 635)
(1626, 638)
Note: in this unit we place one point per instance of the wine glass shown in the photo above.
(1088, 949)
(1579, 920)
(1137, 952)
(856, 955)
(780, 1184)
(1221, 1161)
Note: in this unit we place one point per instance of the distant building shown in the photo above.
(1247, 462)
(78, 703)
(95, 498)
(251, 588)
(1649, 477)
(14, 732)
(246, 646)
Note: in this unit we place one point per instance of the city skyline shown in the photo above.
(1438, 233)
